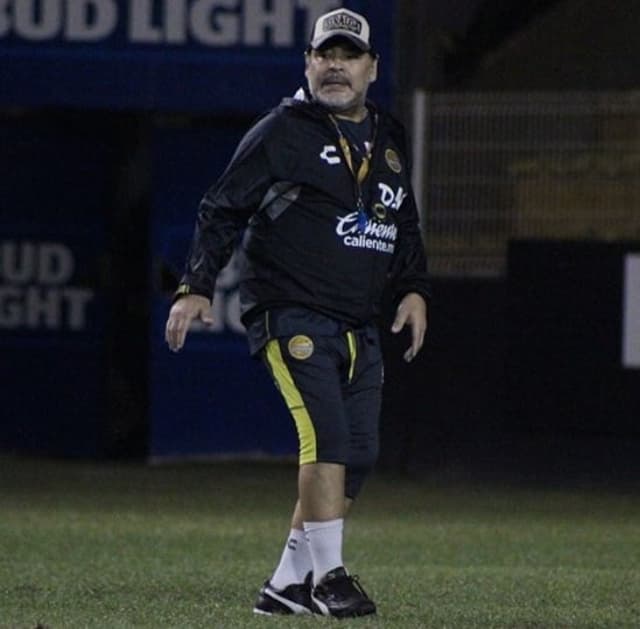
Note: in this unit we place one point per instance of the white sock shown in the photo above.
(325, 544)
(295, 562)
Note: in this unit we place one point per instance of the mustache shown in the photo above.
(335, 78)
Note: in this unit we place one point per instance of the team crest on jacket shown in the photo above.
(300, 347)
(393, 161)
(380, 211)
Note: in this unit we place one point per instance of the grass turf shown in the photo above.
(121, 545)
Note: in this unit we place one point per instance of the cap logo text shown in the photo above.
(342, 21)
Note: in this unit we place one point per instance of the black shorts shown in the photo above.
(332, 386)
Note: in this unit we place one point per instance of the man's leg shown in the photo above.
(318, 549)
(338, 593)
(321, 491)
(295, 562)
(363, 401)
(322, 508)
(288, 591)
(311, 387)
(297, 520)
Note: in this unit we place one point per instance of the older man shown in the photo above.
(321, 185)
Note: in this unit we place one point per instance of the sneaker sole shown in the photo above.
(261, 612)
(295, 608)
(324, 610)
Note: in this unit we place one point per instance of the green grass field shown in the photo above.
(124, 545)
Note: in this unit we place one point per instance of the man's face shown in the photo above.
(339, 76)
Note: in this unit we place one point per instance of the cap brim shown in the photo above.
(324, 40)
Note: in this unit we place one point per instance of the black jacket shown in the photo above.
(288, 183)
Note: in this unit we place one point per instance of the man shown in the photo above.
(322, 186)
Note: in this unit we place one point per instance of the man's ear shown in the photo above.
(307, 59)
(373, 75)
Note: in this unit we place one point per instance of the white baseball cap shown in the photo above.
(342, 23)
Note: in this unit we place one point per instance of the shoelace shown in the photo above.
(355, 579)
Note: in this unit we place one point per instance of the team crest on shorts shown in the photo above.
(300, 347)
(393, 161)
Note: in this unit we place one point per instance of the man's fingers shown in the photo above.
(417, 338)
(400, 320)
(207, 319)
(176, 331)
(182, 313)
(406, 316)
(412, 311)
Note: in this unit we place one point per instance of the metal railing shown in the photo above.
(490, 168)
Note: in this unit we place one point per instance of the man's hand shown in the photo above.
(182, 313)
(412, 311)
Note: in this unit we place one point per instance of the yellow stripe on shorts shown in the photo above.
(294, 401)
(351, 340)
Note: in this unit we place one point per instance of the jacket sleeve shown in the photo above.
(409, 268)
(409, 272)
(225, 210)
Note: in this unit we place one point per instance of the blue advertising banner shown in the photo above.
(211, 399)
(211, 56)
(52, 309)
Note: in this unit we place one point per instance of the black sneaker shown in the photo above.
(294, 599)
(340, 595)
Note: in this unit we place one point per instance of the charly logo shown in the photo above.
(330, 155)
(300, 347)
(393, 161)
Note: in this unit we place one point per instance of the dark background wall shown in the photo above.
(523, 377)
(522, 372)
(525, 45)
(569, 45)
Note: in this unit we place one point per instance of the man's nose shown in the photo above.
(335, 61)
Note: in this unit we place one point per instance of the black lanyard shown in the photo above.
(363, 169)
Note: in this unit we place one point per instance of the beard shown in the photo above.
(338, 102)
